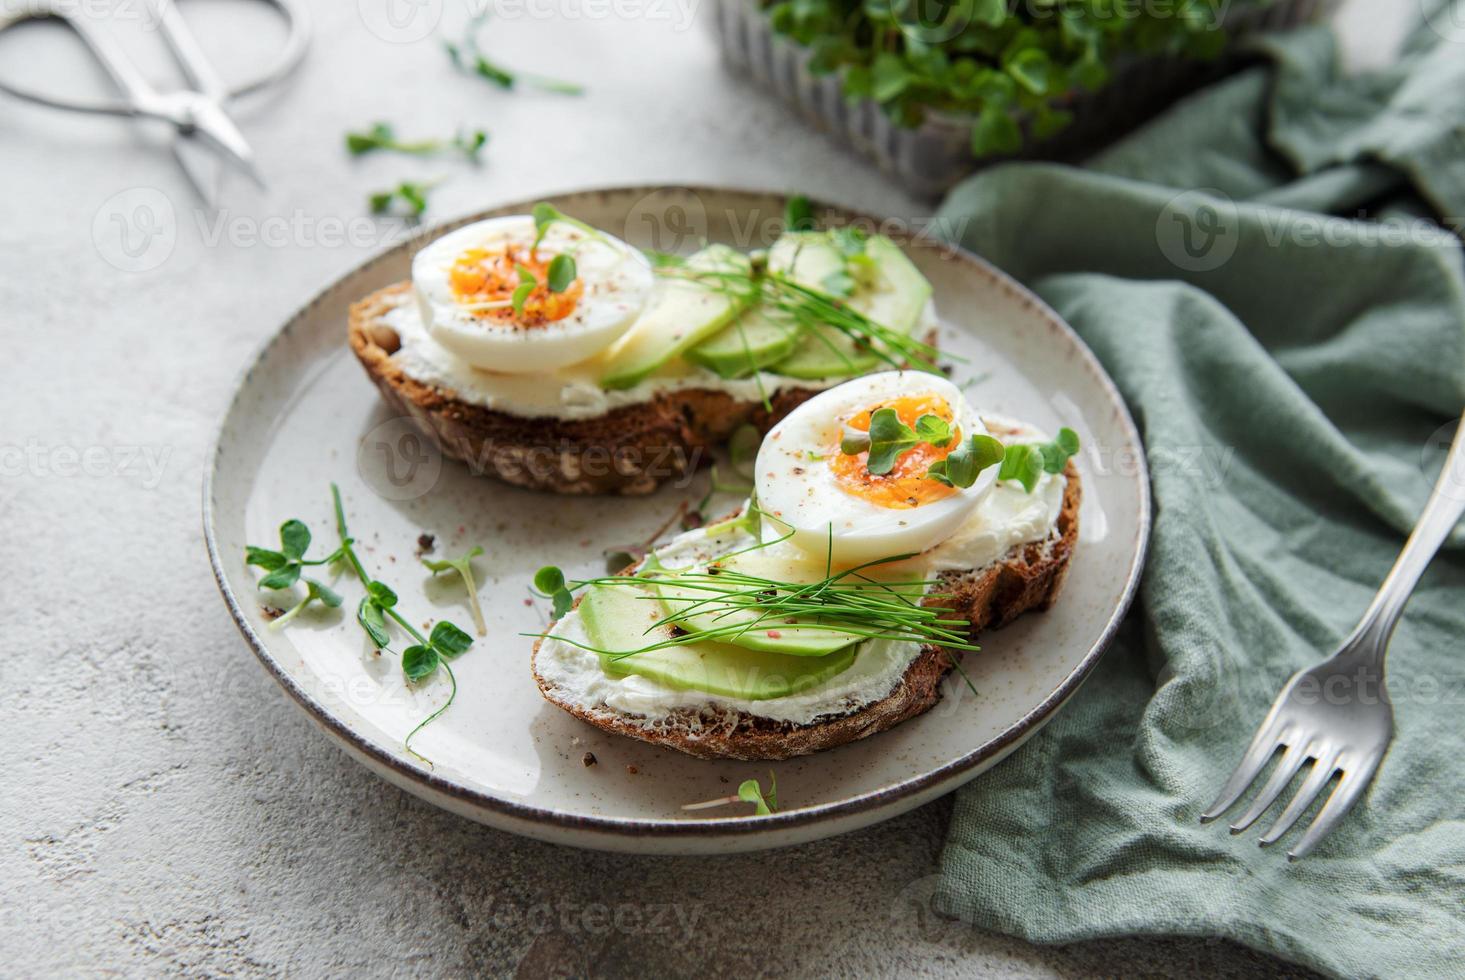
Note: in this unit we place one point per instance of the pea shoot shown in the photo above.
(420, 660)
(463, 565)
(467, 57)
(527, 285)
(411, 194)
(749, 791)
(382, 136)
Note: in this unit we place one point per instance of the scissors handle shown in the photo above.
(140, 97)
(136, 89)
(190, 56)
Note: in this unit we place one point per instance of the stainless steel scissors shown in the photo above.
(205, 135)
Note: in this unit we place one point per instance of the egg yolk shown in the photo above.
(491, 277)
(906, 486)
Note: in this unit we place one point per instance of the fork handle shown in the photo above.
(1446, 505)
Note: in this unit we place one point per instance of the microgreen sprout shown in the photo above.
(412, 195)
(798, 214)
(1028, 463)
(313, 591)
(527, 283)
(467, 57)
(562, 273)
(749, 791)
(381, 136)
(962, 465)
(545, 215)
(888, 437)
(284, 566)
(463, 565)
(419, 660)
(550, 582)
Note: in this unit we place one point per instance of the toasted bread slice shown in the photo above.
(628, 450)
(1028, 577)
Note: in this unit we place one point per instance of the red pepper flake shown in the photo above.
(774, 634)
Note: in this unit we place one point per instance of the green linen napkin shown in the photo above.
(1295, 377)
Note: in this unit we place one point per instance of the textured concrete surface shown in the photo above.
(165, 809)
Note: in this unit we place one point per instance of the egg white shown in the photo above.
(617, 284)
(798, 492)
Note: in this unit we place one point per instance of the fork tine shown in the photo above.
(1322, 771)
(1263, 746)
(1344, 795)
(1287, 767)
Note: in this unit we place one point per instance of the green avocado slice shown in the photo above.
(894, 296)
(681, 315)
(616, 618)
(751, 342)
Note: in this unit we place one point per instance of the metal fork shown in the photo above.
(1345, 733)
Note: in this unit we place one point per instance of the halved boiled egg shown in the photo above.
(466, 284)
(829, 499)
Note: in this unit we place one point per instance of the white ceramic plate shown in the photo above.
(305, 415)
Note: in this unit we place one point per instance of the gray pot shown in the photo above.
(932, 157)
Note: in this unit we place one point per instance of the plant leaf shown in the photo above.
(419, 661)
(995, 132)
(264, 558)
(1023, 464)
(964, 464)
(549, 580)
(448, 640)
(369, 615)
(294, 539)
(561, 273)
(798, 214)
(889, 437)
(323, 592)
(281, 578)
(750, 792)
(934, 430)
(381, 594)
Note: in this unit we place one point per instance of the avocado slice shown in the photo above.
(682, 313)
(617, 616)
(894, 296)
(753, 341)
(782, 636)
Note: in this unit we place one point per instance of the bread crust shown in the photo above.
(629, 450)
(1029, 577)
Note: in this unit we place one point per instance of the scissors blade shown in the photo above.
(211, 125)
(203, 165)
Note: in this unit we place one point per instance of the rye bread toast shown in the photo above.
(629, 450)
(1028, 577)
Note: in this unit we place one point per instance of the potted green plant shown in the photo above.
(933, 89)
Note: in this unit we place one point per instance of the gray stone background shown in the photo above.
(165, 809)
